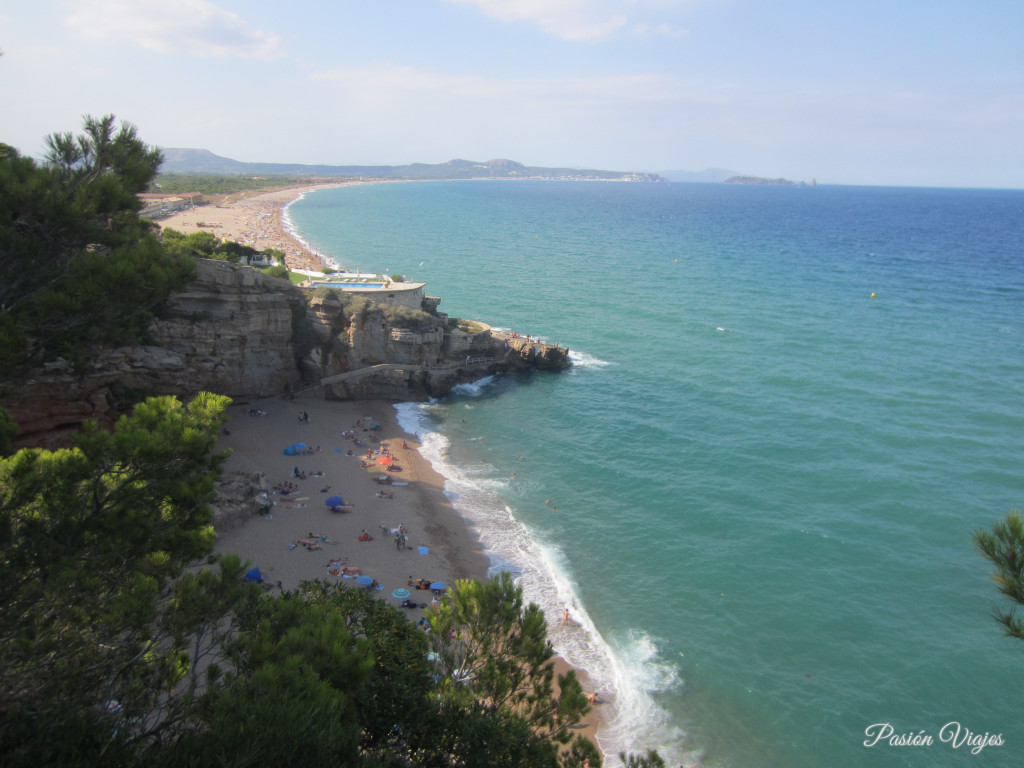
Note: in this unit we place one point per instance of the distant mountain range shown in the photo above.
(204, 161)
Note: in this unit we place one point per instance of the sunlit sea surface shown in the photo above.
(755, 490)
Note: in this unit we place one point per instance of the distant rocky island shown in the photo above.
(205, 162)
(758, 181)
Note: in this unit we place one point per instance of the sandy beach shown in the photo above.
(438, 544)
(255, 220)
(298, 537)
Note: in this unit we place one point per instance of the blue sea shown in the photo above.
(756, 487)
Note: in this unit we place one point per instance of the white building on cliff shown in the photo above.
(380, 290)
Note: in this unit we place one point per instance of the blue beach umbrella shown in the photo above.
(334, 501)
(254, 575)
(364, 581)
(299, 446)
(400, 594)
(437, 585)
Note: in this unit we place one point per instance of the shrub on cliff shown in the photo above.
(205, 245)
(77, 263)
(403, 317)
(278, 270)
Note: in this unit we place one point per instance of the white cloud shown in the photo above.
(579, 20)
(585, 20)
(193, 27)
(389, 83)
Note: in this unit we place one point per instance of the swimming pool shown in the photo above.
(348, 285)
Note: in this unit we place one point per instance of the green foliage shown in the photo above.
(278, 270)
(395, 707)
(199, 244)
(114, 651)
(323, 292)
(404, 317)
(91, 541)
(205, 245)
(235, 252)
(467, 326)
(77, 264)
(494, 653)
(1004, 548)
(290, 695)
(219, 184)
(398, 278)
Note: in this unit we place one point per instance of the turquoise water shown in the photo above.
(765, 478)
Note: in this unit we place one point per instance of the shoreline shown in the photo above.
(442, 545)
(260, 220)
(257, 220)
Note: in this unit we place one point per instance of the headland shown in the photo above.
(295, 536)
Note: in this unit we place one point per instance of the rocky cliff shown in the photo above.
(237, 332)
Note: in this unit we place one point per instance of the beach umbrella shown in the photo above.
(437, 585)
(334, 501)
(364, 581)
(254, 575)
(385, 460)
(400, 594)
(299, 446)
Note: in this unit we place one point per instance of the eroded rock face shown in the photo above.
(229, 332)
(239, 333)
(232, 331)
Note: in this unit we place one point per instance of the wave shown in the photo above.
(626, 674)
(585, 360)
(289, 226)
(473, 388)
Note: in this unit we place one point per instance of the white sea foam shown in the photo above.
(585, 360)
(473, 388)
(291, 229)
(626, 675)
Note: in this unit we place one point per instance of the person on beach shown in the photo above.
(565, 616)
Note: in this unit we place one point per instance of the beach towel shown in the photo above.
(423, 550)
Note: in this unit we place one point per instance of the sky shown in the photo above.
(872, 92)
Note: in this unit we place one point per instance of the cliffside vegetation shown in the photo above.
(77, 264)
(404, 317)
(114, 652)
(221, 184)
(204, 245)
